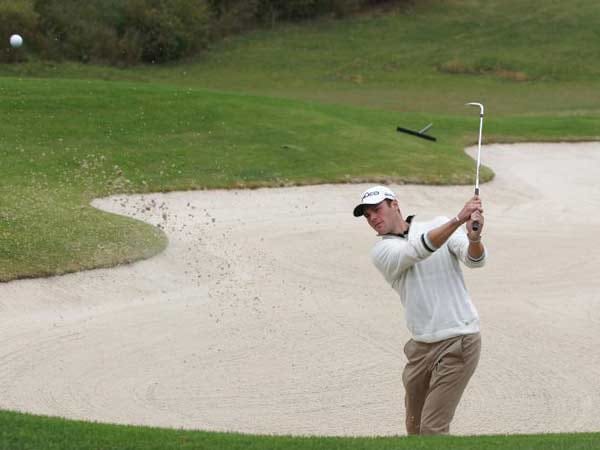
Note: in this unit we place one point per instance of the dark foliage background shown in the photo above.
(127, 32)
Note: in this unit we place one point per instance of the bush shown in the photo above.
(164, 30)
(232, 16)
(237, 15)
(124, 32)
(73, 29)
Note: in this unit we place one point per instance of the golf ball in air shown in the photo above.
(16, 41)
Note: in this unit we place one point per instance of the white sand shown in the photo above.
(264, 315)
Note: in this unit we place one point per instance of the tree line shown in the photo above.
(128, 32)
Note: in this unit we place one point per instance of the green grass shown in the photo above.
(27, 432)
(518, 56)
(66, 142)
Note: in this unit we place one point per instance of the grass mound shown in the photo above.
(67, 142)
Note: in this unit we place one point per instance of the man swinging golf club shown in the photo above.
(421, 260)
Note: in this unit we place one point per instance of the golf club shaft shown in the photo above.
(475, 224)
(479, 152)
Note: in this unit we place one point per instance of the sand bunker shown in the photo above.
(264, 314)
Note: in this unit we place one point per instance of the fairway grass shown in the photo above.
(28, 432)
(66, 142)
(69, 141)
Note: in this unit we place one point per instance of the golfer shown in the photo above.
(420, 260)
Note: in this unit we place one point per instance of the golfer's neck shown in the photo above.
(401, 226)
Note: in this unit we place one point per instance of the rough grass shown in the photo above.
(518, 56)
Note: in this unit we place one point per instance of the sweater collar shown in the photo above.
(405, 234)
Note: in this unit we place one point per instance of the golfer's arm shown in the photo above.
(438, 236)
(476, 250)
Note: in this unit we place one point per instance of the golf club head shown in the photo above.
(420, 134)
(476, 104)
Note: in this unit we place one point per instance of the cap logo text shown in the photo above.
(369, 194)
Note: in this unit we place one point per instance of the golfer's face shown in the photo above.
(381, 217)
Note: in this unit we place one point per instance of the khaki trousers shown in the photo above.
(435, 378)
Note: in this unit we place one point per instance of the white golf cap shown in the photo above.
(373, 196)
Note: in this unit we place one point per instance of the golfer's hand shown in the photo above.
(471, 207)
(477, 216)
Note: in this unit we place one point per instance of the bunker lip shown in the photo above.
(264, 314)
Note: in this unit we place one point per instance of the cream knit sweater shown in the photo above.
(431, 284)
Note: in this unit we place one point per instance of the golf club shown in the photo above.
(420, 133)
(476, 224)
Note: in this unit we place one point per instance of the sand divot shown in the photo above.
(264, 314)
